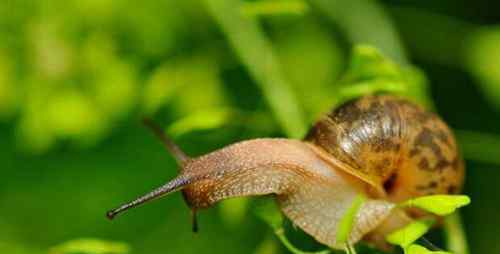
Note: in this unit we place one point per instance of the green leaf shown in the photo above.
(370, 87)
(90, 246)
(370, 72)
(345, 225)
(410, 233)
(417, 249)
(439, 204)
(201, 120)
(179, 81)
(368, 63)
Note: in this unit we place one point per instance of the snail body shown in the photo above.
(382, 147)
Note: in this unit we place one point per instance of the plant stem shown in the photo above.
(280, 233)
(479, 146)
(432, 44)
(365, 22)
(455, 234)
(255, 51)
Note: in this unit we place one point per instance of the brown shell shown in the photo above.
(394, 145)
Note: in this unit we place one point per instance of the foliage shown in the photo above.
(417, 249)
(439, 204)
(76, 77)
(371, 72)
(90, 246)
(409, 234)
(345, 225)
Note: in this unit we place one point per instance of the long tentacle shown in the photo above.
(163, 190)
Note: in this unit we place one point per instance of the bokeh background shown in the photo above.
(76, 77)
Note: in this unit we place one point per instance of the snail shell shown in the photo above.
(395, 146)
(382, 147)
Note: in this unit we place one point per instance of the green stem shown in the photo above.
(433, 42)
(455, 234)
(479, 146)
(365, 22)
(350, 249)
(280, 233)
(251, 45)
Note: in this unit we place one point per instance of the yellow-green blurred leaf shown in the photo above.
(115, 91)
(274, 7)
(52, 55)
(417, 86)
(371, 72)
(371, 87)
(71, 114)
(417, 249)
(97, 53)
(34, 131)
(367, 62)
(439, 204)
(90, 246)
(188, 85)
(160, 88)
(113, 87)
(410, 233)
(201, 120)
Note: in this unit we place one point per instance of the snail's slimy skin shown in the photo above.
(311, 192)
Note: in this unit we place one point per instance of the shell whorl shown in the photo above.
(393, 145)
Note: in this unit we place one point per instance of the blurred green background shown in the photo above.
(76, 77)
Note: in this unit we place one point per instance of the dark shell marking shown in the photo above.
(392, 144)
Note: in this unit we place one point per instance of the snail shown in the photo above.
(383, 147)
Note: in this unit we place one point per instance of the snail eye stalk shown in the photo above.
(174, 185)
(179, 155)
(163, 190)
